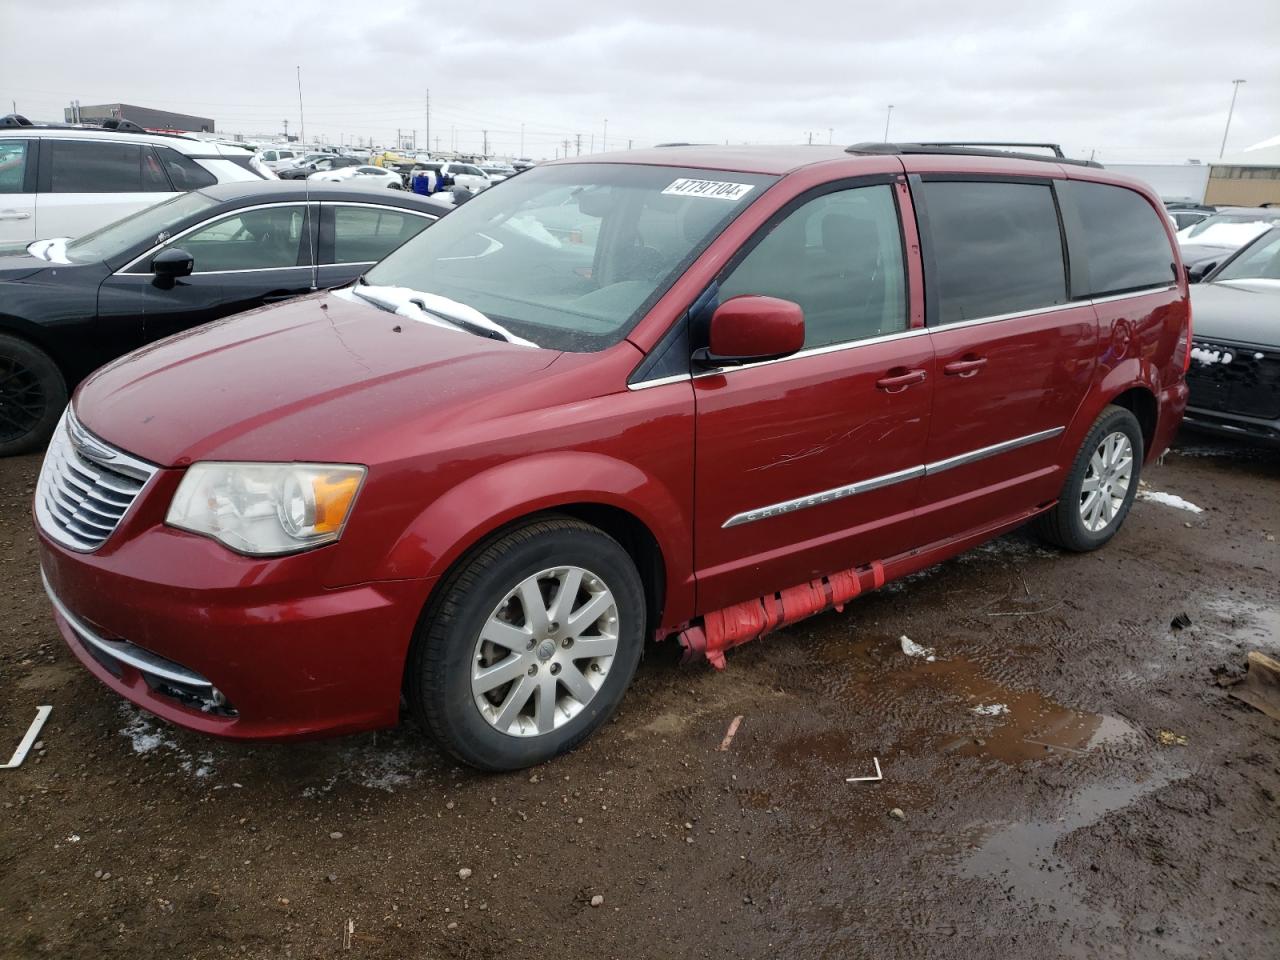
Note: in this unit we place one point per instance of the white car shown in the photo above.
(465, 175)
(375, 177)
(58, 180)
(497, 172)
(300, 160)
(276, 157)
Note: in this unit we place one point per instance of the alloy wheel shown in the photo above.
(545, 651)
(1106, 481)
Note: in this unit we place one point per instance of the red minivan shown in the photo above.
(690, 391)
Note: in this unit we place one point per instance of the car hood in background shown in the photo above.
(1243, 311)
(318, 379)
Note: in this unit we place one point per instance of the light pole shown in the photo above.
(887, 117)
(522, 139)
(1235, 88)
(604, 137)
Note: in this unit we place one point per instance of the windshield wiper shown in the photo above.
(493, 333)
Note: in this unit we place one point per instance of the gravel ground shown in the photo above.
(1067, 777)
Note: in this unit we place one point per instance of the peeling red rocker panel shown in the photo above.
(733, 626)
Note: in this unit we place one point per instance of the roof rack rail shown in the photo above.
(985, 149)
(115, 125)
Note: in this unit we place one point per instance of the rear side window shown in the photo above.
(367, 234)
(258, 239)
(85, 166)
(13, 165)
(184, 172)
(1125, 245)
(996, 249)
(840, 257)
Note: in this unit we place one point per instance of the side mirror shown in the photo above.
(1201, 270)
(750, 328)
(169, 265)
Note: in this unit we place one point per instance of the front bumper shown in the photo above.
(1233, 425)
(239, 649)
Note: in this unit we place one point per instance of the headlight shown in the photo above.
(266, 508)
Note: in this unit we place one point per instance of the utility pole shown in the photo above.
(437, 144)
(811, 138)
(830, 133)
(302, 120)
(565, 144)
(604, 137)
(427, 139)
(286, 130)
(485, 152)
(628, 144)
(1235, 88)
(398, 140)
(887, 117)
(578, 139)
(593, 144)
(522, 139)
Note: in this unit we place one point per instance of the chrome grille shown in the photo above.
(86, 486)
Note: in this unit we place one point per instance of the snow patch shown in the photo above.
(990, 709)
(1209, 357)
(1169, 500)
(145, 736)
(913, 649)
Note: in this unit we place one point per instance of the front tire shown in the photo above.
(33, 395)
(528, 646)
(1101, 486)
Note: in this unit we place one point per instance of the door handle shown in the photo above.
(964, 368)
(897, 382)
(14, 215)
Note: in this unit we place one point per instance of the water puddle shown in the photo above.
(1013, 726)
(1255, 624)
(1021, 857)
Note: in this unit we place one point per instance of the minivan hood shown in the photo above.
(310, 380)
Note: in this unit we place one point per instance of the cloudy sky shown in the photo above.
(1129, 79)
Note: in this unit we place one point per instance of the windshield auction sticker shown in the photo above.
(713, 189)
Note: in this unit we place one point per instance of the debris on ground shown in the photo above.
(1180, 622)
(873, 779)
(33, 731)
(1261, 686)
(728, 737)
(464, 873)
(597, 901)
(1168, 738)
(897, 814)
(913, 649)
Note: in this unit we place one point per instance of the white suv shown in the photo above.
(64, 181)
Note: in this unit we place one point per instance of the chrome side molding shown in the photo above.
(888, 479)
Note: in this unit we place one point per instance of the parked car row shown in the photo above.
(1210, 241)
(480, 476)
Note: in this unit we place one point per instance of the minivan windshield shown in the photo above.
(151, 225)
(570, 256)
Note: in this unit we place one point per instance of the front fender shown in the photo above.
(494, 498)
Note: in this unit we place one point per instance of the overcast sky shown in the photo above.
(1131, 79)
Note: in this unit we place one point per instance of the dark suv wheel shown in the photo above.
(32, 396)
(529, 645)
(1100, 488)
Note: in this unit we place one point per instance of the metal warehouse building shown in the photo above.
(146, 117)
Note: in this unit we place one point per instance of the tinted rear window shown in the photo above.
(1125, 245)
(96, 166)
(997, 248)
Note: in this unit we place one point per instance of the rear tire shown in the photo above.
(565, 607)
(33, 395)
(1101, 486)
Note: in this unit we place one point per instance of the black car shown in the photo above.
(302, 171)
(1235, 357)
(67, 307)
(1187, 213)
(1208, 243)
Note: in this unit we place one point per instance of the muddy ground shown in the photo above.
(1066, 817)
